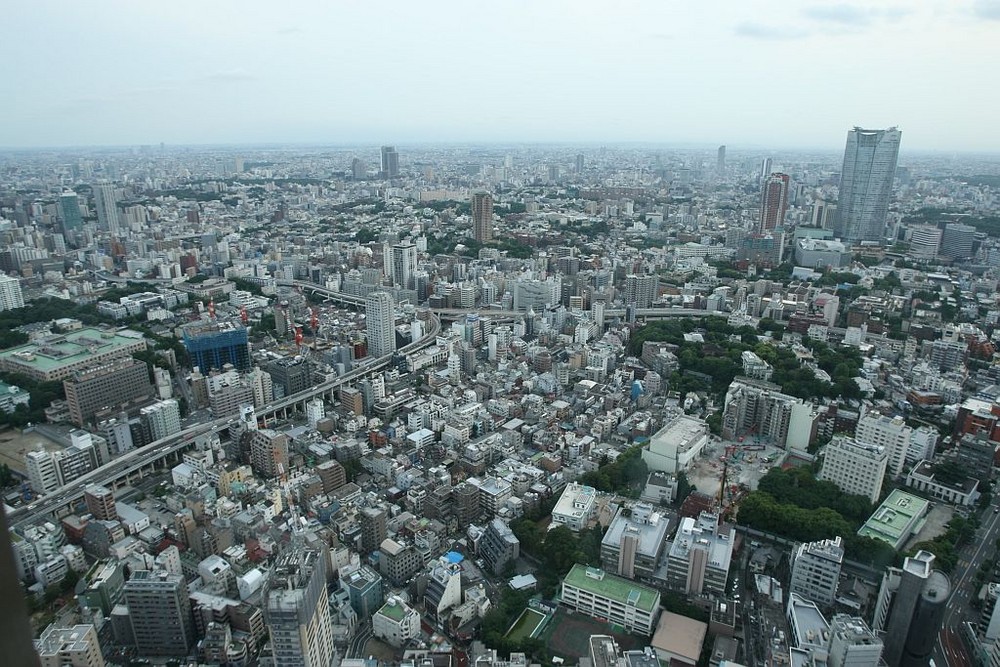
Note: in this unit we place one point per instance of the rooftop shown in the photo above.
(894, 517)
(651, 531)
(57, 351)
(614, 588)
(394, 609)
(679, 635)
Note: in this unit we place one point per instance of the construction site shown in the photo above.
(733, 468)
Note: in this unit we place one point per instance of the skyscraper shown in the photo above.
(358, 169)
(482, 216)
(297, 612)
(390, 162)
(10, 293)
(402, 264)
(579, 163)
(866, 184)
(773, 202)
(910, 608)
(106, 201)
(765, 169)
(160, 612)
(957, 241)
(380, 324)
(720, 160)
(69, 211)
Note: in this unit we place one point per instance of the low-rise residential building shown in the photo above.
(396, 623)
(575, 506)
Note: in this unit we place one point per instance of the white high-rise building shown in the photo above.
(855, 467)
(816, 570)
(297, 612)
(380, 313)
(42, 473)
(866, 184)
(315, 411)
(106, 201)
(401, 263)
(163, 418)
(889, 432)
(852, 643)
(10, 293)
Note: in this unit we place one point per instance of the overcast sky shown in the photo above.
(755, 73)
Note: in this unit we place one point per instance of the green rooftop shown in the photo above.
(623, 591)
(58, 351)
(393, 611)
(896, 518)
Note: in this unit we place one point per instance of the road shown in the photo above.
(361, 636)
(951, 649)
(140, 458)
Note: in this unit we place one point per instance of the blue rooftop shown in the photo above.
(454, 557)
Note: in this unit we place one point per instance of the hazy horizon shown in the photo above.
(757, 75)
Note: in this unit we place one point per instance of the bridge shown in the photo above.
(138, 463)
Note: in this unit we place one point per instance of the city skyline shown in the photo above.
(204, 81)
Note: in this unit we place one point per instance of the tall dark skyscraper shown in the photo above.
(910, 608)
(773, 202)
(866, 184)
(482, 216)
(390, 162)
(720, 160)
(579, 164)
(69, 211)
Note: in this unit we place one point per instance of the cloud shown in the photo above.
(752, 30)
(840, 14)
(664, 36)
(291, 30)
(228, 76)
(987, 9)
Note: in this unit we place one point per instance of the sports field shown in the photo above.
(526, 625)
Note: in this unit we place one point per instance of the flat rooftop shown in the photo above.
(650, 535)
(611, 587)
(57, 351)
(895, 517)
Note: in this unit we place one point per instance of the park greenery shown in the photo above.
(794, 505)
(713, 364)
(625, 476)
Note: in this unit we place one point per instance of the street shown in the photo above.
(951, 649)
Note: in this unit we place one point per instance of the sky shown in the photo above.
(753, 73)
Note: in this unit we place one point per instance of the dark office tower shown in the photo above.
(765, 170)
(390, 162)
(358, 169)
(866, 184)
(773, 202)
(579, 163)
(373, 529)
(957, 241)
(69, 211)
(15, 628)
(720, 160)
(909, 610)
(482, 216)
(160, 612)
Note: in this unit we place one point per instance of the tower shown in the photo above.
(297, 612)
(866, 184)
(379, 322)
(910, 608)
(773, 202)
(402, 264)
(69, 211)
(720, 160)
(390, 162)
(160, 612)
(482, 216)
(107, 207)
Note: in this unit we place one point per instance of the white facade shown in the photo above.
(396, 622)
(816, 570)
(892, 433)
(10, 293)
(575, 507)
(855, 467)
(380, 320)
(674, 447)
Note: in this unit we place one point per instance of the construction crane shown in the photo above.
(721, 500)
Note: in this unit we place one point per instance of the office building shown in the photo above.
(10, 293)
(619, 601)
(909, 610)
(215, 344)
(380, 321)
(396, 623)
(764, 170)
(76, 646)
(398, 562)
(390, 162)
(816, 570)
(96, 393)
(676, 444)
(57, 357)
(896, 519)
(364, 589)
(288, 376)
(773, 202)
(634, 542)
(401, 263)
(297, 612)
(575, 507)
(893, 433)
(332, 475)
(100, 503)
(852, 643)
(925, 240)
(359, 170)
(374, 528)
(269, 453)
(958, 241)
(699, 557)
(69, 212)
(106, 202)
(821, 253)
(161, 419)
(160, 613)
(720, 160)
(641, 290)
(757, 408)
(444, 587)
(866, 184)
(482, 216)
(498, 546)
(857, 468)
(42, 473)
